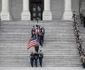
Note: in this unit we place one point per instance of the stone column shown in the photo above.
(67, 11)
(25, 15)
(47, 15)
(5, 10)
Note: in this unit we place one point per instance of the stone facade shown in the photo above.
(75, 6)
(82, 7)
(56, 6)
(15, 9)
(0, 5)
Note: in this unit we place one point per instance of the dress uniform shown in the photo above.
(32, 59)
(40, 58)
(36, 58)
(36, 48)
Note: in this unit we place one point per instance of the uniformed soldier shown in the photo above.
(40, 57)
(32, 59)
(36, 58)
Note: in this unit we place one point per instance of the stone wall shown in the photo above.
(75, 6)
(0, 5)
(16, 7)
(57, 8)
(82, 7)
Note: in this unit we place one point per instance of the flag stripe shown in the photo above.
(32, 42)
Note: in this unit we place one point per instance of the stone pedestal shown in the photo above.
(5, 15)
(25, 15)
(67, 12)
(47, 15)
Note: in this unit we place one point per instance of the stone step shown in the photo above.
(57, 33)
(29, 31)
(57, 61)
(48, 39)
(51, 58)
(47, 52)
(49, 42)
(51, 48)
(43, 68)
(29, 28)
(59, 48)
(43, 22)
(66, 47)
(27, 39)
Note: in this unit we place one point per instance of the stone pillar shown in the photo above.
(25, 15)
(67, 11)
(5, 10)
(47, 15)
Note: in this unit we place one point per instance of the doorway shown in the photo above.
(36, 9)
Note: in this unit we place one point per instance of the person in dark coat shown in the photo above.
(83, 60)
(33, 31)
(37, 32)
(42, 32)
(84, 21)
(32, 59)
(40, 57)
(36, 48)
(81, 17)
(36, 55)
(74, 16)
(33, 34)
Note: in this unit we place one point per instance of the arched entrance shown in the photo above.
(36, 9)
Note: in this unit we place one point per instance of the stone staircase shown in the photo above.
(59, 48)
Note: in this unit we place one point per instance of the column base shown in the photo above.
(47, 15)
(5, 16)
(67, 15)
(25, 15)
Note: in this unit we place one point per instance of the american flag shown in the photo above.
(32, 42)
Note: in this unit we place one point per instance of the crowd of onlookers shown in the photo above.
(37, 55)
(79, 40)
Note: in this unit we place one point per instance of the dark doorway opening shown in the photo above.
(36, 9)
